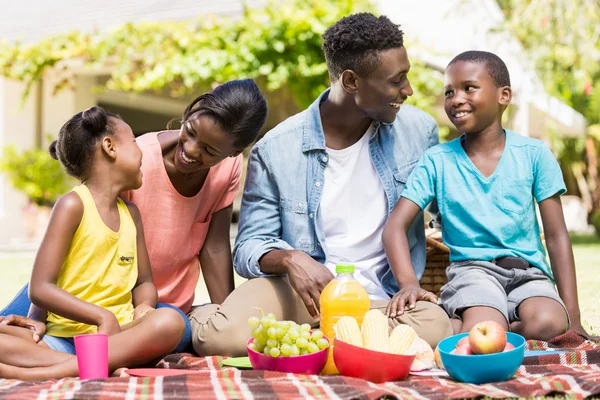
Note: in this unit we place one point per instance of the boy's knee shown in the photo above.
(544, 325)
(213, 333)
(429, 320)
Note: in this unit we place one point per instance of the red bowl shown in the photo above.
(310, 364)
(370, 365)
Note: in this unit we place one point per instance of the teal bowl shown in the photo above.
(482, 368)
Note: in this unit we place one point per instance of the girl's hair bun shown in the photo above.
(94, 120)
(53, 150)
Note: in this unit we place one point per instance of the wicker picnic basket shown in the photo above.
(438, 258)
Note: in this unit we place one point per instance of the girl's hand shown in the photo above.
(579, 329)
(142, 310)
(109, 324)
(409, 294)
(38, 328)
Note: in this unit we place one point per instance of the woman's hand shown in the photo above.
(38, 328)
(409, 294)
(142, 310)
(109, 324)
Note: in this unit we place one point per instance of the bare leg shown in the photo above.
(541, 318)
(155, 335)
(474, 315)
(20, 352)
(456, 325)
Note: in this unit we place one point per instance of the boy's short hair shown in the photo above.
(354, 41)
(493, 64)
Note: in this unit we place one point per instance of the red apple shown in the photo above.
(462, 342)
(508, 347)
(487, 337)
(463, 350)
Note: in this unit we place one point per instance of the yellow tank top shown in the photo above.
(100, 267)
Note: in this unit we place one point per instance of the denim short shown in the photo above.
(62, 344)
(482, 283)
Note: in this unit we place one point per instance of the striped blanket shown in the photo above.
(576, 373)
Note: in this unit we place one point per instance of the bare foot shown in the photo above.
(120, 372)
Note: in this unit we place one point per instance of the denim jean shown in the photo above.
(20, 306)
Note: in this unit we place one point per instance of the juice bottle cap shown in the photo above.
(344, 268)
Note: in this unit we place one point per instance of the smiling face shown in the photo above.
(202, 144)
(380, 95)
(473, 101)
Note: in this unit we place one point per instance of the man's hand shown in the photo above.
(109, 324)
(142, 310)
(38, 328)
(409, 294)
(308, 278)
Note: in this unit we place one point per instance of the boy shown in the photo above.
(485, 183)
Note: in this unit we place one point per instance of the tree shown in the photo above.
(562, 38)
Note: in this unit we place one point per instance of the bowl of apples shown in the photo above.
(487, 353)
(285, 346)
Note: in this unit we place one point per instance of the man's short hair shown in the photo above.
(354, 43)
(493, 64)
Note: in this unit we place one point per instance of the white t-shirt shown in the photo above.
(354, 212)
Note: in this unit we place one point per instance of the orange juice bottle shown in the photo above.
(343, 296)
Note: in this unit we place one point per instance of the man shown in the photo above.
(320, 187)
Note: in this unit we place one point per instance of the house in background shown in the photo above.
(443, 28)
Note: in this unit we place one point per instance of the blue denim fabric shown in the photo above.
(65, 345)
(284, 182)
(20, 306)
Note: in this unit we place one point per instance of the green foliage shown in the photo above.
(36, 174)
(596, 222)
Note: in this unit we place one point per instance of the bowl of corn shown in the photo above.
(369, 352)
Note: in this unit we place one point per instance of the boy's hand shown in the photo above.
(109, 324)
(142, 310)
(38, 328)
(578, 328)
(409, 294)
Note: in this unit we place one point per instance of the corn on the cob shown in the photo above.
(347, 330)
(375, 331)
(401, 339)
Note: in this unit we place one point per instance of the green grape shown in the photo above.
(272, 343)
(258, 347)
(275, 352)
(303, 352)
(272, 333)
(286, 349)
(322, 343)
(294, 334)
(267, 351)
(305, 327)
(253, 321)
(281, 333)
(271, 316)
(295, 350)
(302, 343)
(287, 339)
(312, 347)
(316, 334)
(265, 321)
(251, 346)
(305, 335)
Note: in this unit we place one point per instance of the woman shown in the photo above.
(191, 177)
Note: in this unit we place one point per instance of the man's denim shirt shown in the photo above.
(284, 182)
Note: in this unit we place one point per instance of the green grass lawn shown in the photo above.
(16, 267)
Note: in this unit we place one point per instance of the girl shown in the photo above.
(191, 177)
(92, 271)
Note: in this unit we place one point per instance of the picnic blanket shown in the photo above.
(575, 372)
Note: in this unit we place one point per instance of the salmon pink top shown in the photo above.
(175, 226)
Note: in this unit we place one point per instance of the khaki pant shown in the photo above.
(224, 330)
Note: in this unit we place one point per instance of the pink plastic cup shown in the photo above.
(92, 355)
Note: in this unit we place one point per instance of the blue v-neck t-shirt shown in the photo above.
(484, 218)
